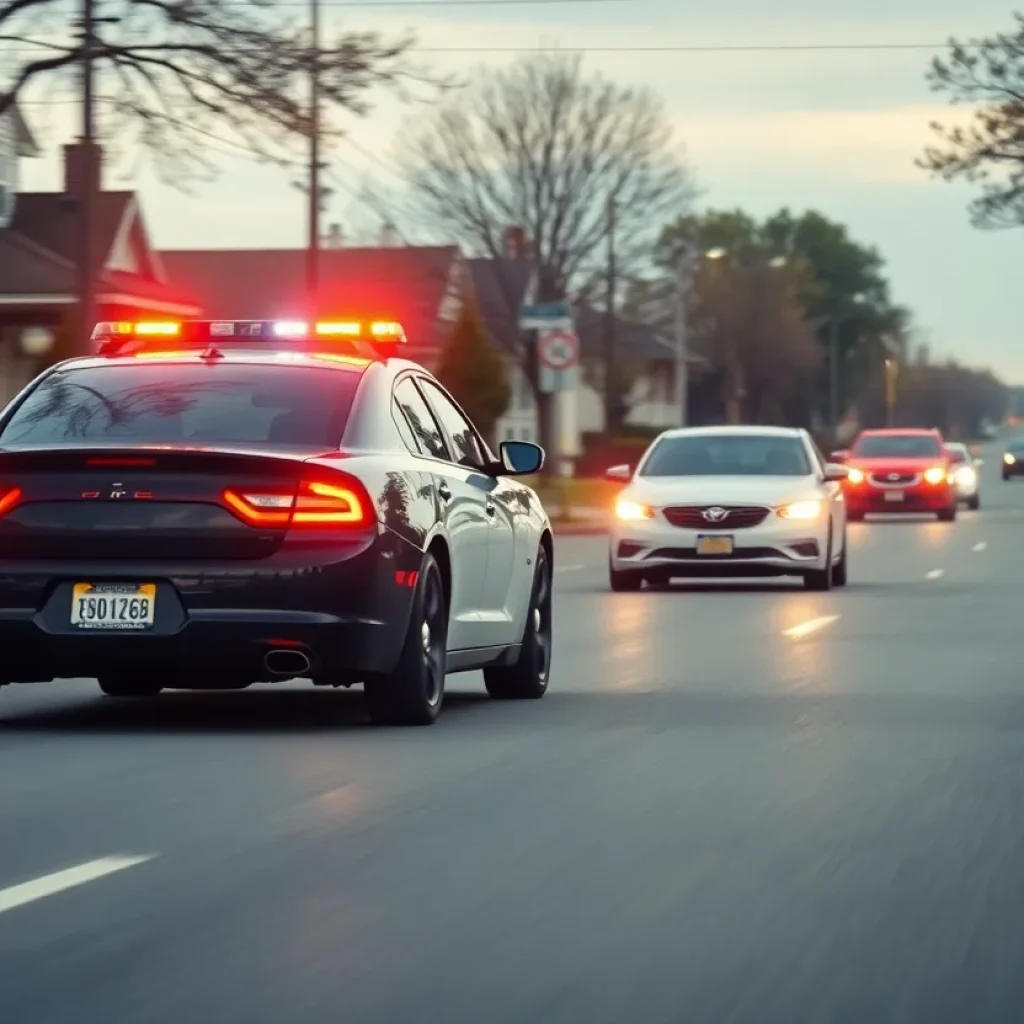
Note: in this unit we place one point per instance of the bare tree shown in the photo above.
(175, 72)
(989, 149)
(543, 146)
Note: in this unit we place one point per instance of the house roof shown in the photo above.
(49, 219)
(407, 284)
(38, 258)
(500, 287)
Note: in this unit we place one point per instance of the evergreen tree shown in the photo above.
(473, 370)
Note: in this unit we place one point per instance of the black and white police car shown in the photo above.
(207, 505)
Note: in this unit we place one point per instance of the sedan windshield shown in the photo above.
(897, 446)
(727, 455)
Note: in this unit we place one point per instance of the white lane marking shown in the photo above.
(935, 574)
(980, 546)
(69, 878)
(810, 626)
(568, 568)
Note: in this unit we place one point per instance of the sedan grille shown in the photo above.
(716, 517)
(893, 479)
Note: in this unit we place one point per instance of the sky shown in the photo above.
(836, 131)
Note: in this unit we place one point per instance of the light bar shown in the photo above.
(117, 334)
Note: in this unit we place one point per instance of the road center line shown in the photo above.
(980, 546)
(568, 568)
(69, 878)
(934, 574)
(810, 626)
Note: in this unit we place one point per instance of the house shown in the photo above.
(503, 286)
(420, 286)
(38, 257)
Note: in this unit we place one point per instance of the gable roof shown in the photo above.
(50, 220)
(38, 256)
(407, 284)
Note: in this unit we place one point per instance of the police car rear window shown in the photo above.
(188, 404)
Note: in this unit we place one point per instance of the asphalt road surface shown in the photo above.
(746, 804)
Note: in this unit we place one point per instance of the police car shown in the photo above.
(207, 505)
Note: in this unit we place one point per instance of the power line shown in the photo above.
(728, 48)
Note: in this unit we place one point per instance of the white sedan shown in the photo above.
(729, 502)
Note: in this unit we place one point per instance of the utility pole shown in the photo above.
(87, 186)
(610, 397)
(833, 373)
(313, 244)
(683, 272)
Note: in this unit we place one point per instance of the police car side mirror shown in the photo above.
(835, 473)
(520, 458)
(620, 474)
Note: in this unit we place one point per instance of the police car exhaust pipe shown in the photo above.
(286, 661)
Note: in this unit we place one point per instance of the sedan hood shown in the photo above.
(896, 465)
(722, 490)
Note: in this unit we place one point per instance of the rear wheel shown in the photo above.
(624, 579)
(948, 515)
(974, 502)
(114, 686)
(527, 679)
(413, 692)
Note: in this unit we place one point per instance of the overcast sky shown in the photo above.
(836, 131)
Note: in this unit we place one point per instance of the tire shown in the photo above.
(821, 579)
(113, 686)
(413, 692)
(624, 579)
(1006, 476)
(839, 569)
(527, 679)
(974, 502)
(948, 515)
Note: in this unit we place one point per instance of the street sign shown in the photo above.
(545, 316)
(558, 359)
(558, 350)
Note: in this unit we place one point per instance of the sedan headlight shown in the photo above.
(965, 476)
(801, 510)
(631, 511)
(855, 476)
(1009, 459)
(935, 475)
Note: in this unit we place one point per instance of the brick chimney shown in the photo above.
(515, 242)
(77, 157)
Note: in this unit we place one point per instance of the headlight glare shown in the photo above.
(632, 511)
(801, 510)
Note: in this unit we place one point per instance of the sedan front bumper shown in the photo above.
(777, 547)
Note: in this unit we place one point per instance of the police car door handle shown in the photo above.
(446, 494)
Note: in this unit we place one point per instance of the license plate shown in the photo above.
(893, 495)
(114, 606)
(714, 545)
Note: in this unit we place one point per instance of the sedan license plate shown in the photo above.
(714, 545)
(113, 606)
(893, 495)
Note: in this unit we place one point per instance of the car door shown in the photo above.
(501, 595)
(462, 510)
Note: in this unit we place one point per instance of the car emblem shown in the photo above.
(715, 515)
(893, 476)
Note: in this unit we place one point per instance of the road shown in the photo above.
(745, 804)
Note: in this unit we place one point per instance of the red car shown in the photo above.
(898, 471)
